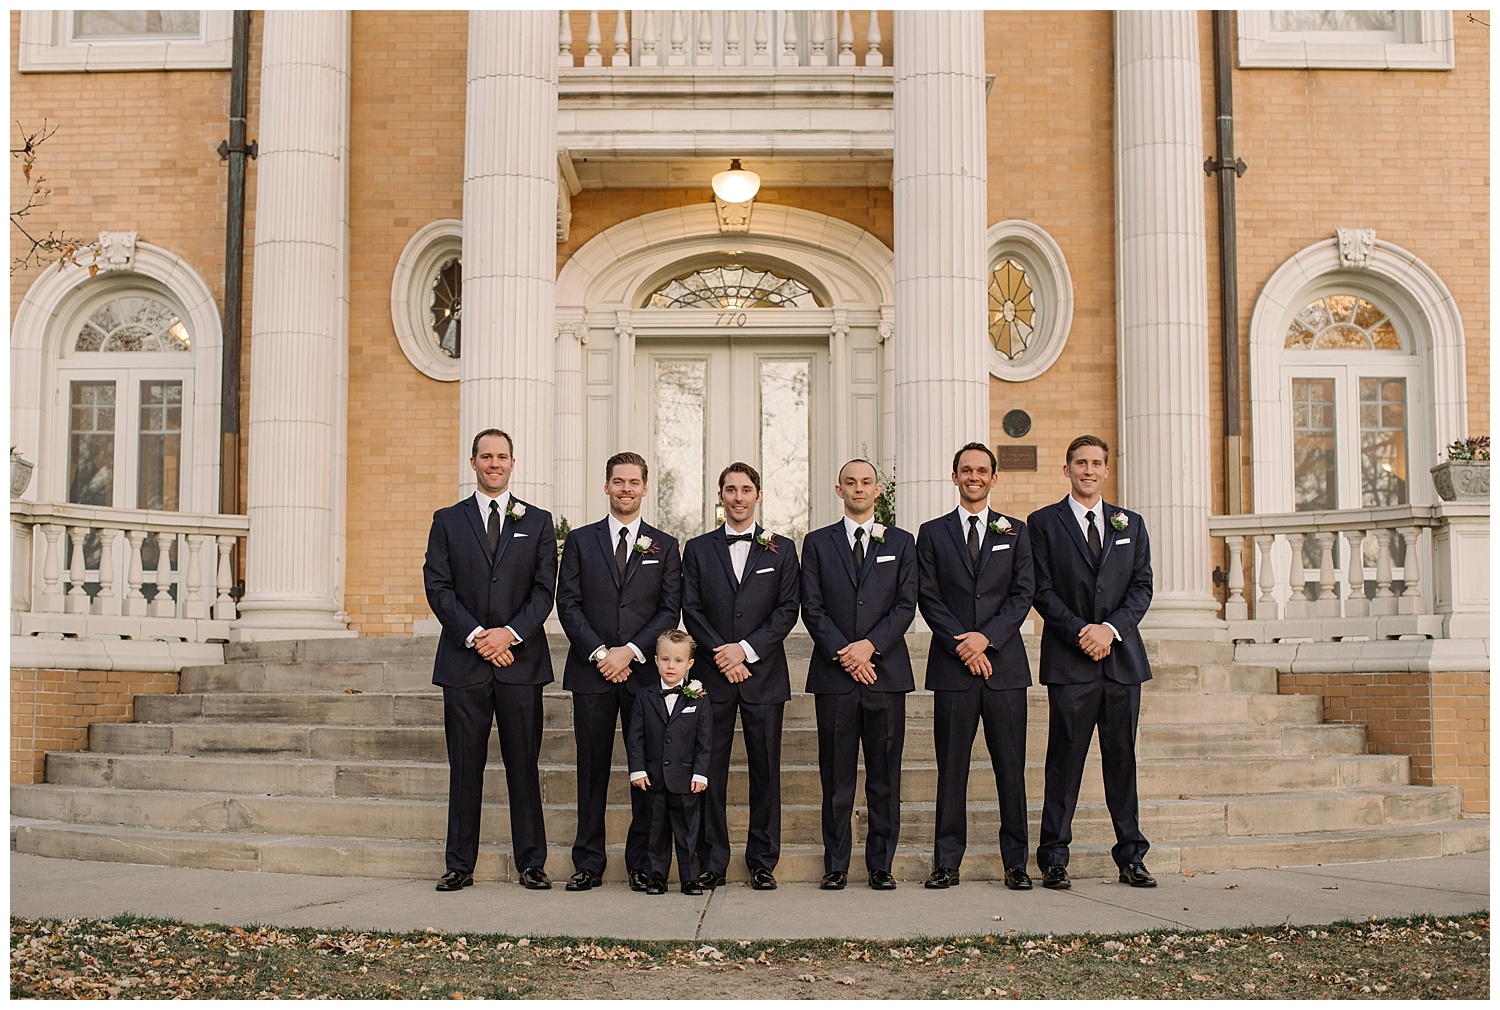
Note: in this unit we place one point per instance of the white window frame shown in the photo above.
(411, 293)
(47, 46)
(1052, 284)
(1426, 44)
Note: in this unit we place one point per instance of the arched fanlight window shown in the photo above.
(733, 286)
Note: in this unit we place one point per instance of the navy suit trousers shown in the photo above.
(594, 720)
(467, 715)
(876, 721)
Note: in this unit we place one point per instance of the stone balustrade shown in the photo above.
(1350, 575)
(690, 39)
(82, 571)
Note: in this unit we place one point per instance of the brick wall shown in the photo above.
(50, 710)
(1439, 720)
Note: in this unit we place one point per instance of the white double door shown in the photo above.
(704, 403)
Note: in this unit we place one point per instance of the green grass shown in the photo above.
(133, 957)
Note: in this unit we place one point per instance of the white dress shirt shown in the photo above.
(482, 502)
(850, 526)
(671, 701)
(964, 514)
(633, 529)
(739, 553)
(1080, 516)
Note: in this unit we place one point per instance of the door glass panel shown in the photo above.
(1382, 441)
(1314, 445)
(785, 436)
(159, 475)
(679, 387)
(91, 443)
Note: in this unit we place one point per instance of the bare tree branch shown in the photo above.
(41, 250)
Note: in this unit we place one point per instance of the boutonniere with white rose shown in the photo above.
(645, 545)
(693, 690)
(1119, 521)
(516, 510)
(877, 533)
(1000, 524)
(766, 539)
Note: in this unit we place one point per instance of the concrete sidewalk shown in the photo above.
(1448, 885)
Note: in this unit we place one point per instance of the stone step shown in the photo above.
(799, 743)
(1156, 779)
(1179, 820)
(419, 709)
(394, 858)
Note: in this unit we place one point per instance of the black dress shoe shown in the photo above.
(881, 880)
(640, 880)
(762, 879)
(583, 880)
(941, 879)
(455, 880)
(1016, 879)
(1136, 875)
(692, 887)
(710, 879)
(834, 881)
(654, 884)
(1056, 877)
(534, 878)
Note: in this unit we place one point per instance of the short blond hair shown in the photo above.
(677, 637)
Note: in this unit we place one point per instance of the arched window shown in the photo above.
(1030, 294)
(733, 286)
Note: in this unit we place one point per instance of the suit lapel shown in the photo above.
(988, 539)
(633, 561)
(1071, 525)
(476, 522)
(872, 549)
(961, 541)
(753, 558)
(1106, 531)
(840, 539)
(602, 537)
(659, 703)
(507, 530)
(721, 551)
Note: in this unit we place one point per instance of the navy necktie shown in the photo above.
(493, 526)
(1095, 544)
(974, 540)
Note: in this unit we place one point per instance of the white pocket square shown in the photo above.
(1119, 542)
(520, 535)
(883, 560)
(692, 708)
(762, 571)
(999, 547)
(650, 562)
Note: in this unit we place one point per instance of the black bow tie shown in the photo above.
(671, 690)
(740, 538)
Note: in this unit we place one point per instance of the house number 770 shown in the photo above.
(730, 319)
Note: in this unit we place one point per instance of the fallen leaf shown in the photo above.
(352, 690)
(1183, 796)
(1189, 873)
(1331, 887)
(1231, 887)
(846, 981)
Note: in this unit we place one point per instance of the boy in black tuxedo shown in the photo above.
(668, 745)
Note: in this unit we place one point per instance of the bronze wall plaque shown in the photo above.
(1016, 457)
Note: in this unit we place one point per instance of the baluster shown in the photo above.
(135, 602)
(1265, 604)
(846, 40)
(1411, 573)
(621, 58)
(1296, 604)
(1385, 600)
(224, 609)
(818, 38)
(21, 576)
(705, 57)
(649, 57)
(789, 40)
(676, 58)
(762, 57)
(193, 606)
(108, 601)
(564, 40)
(1328, 600)
(593, 38)
(162, 604)
(78, 598)
(52, 595)
(1235, 608)
(733, 57)
(1355, 604)
(873, 56)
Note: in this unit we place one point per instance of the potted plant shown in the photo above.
(1465, 476)
(20, 474)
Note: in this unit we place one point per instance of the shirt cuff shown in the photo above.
(750, 654)
(513, 635)
(1112, 628)
(702, 779)
(638, 657)
(469, 642)
(637, 776)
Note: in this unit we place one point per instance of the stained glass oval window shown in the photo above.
(733, 286)
(446, 308)
(1012, 309)
(134, 322)
(1342, 322)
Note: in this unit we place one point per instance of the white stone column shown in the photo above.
(1164, 455)
(510, 241)
(299, 346)
(939, 180)
(568, 435)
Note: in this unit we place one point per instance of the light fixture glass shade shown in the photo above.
(736, 185)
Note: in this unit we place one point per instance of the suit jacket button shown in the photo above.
(666, 763)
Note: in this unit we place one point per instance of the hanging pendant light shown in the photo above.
(736, 185)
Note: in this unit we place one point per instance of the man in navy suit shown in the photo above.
(739, 600)
(490, 568)
(975, 587)
(859, 595)
(618, 587)
(1093, 585)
